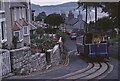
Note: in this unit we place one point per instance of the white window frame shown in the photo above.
(20, 36)
(27, 30)
(5, 32)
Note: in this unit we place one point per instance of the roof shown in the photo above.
(17, 26)
(25, 23)
(71, 21)
(16, 4)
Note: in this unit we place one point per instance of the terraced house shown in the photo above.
(18, 16)
(3, 34)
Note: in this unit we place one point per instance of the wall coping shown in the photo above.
(19, 49)
(3, 50)
(55, 48)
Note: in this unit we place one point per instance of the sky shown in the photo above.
(51, 2)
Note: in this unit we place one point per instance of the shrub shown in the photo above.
(61, 34)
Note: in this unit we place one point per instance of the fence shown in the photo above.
(5, 62)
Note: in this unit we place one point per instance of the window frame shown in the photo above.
(20, 36)
(24, 30)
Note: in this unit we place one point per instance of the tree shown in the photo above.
(103, 24)
(112, 10)
(54, 19)
(85, 5)
(41, 16)
(91, 25)
(40, 31)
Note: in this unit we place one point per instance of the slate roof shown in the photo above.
(17, 26)
(25, 23)
(71, 21)
(16, 4)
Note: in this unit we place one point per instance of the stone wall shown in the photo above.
(55, 56)
(25, 63)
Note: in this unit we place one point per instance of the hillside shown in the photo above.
(66, 7)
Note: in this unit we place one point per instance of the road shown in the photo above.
(77, 65)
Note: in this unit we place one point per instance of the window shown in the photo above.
(20, 15)
(19, 35)
(3, 30)
(23, 13)
(15, 14)
(1, 5)
(25, 30)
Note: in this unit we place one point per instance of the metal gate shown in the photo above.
(5, 63)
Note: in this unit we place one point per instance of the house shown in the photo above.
(3, 37)
(18, 18)
(71, 22)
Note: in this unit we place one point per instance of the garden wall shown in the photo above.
(24, 63)
(55, 56)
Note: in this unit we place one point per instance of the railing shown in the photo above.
(5, 63)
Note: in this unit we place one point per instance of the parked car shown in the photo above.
(73, 35)
(68, 31)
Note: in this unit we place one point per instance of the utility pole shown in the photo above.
(95, 15)
(86, 18)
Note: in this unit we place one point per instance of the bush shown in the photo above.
(43, 46)
(61, 34)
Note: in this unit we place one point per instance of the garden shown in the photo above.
(44, 41)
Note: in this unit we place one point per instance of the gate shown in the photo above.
(5, 62)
